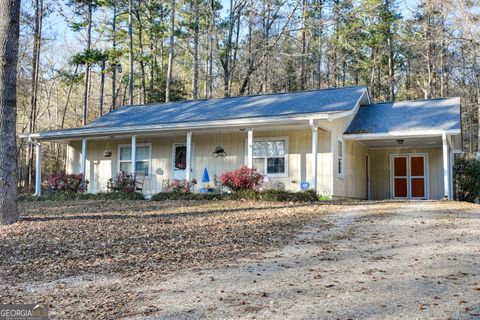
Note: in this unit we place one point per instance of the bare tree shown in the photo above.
(196, 31)
(130, 52)
(9, 32)
(170, 52)
(37, 38)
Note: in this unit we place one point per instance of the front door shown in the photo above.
(409, 177)
(180, 161)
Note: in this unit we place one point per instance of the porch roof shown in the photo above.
(209, 113)
(421, 117)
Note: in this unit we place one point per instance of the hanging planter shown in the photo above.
(108, 152)
(219, 152)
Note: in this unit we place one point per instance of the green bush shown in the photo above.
(246, 194)
(82, 196)
(282, 195)
(163, 196)
(252, 195)
(467, 179)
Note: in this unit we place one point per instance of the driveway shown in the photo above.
(397, 260)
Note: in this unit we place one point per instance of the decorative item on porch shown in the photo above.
(108, 152)
(219, 152)
(206, 185)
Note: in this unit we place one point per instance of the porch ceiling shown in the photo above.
(406, 142)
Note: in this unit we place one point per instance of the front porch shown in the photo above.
(284, 155)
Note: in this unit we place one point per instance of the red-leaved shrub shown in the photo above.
(242, 178)
(61, 182)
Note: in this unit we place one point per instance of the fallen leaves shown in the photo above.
(59, 244)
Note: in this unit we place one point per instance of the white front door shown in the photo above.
(180, 161)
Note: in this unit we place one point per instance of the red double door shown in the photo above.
(409, 177)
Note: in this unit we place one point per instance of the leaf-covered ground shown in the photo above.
(121, 259)
(59, 245)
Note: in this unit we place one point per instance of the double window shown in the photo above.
(142, 158)
(270, 156)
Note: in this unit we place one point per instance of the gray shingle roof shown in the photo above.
(268, 105)
(407, 116)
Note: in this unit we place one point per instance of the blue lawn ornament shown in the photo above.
(205, 178)
(304, 186)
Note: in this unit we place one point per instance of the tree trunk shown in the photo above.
(35, 75)
(196, 29)
(266, 40)
(304, 45)
(130, 53)
(170, 53)
(336, 11)
(9, 33)
(114, 64)
(320, 43)
(69, 93)
(391, 66)
(88, 66)
(102, 86)
(210, 54)
(142, 53)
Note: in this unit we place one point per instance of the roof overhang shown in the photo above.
(399, 134)
(418, 138)
(86, 132)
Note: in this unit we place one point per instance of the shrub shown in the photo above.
(242, 178)
(123, 182)
(82, 196)
(467, 179)
(61, 182)
(180, 186)
(163, 196)
(283, 195)
(246, 194)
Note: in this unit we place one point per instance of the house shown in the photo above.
(335, 140)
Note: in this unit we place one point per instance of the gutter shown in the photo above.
(186, 126)
(398, 134)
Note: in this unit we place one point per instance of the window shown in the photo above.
(142, 161)
(340, 151)
(269, 156)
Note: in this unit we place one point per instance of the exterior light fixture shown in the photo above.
(400, 141)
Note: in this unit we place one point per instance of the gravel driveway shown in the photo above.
(393, 260)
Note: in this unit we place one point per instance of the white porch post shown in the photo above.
(452, 163)
(134, 155)
(38, 167)
(446, 175)
(188, 156)
(83, 168)
(250, 148)
(314, 156)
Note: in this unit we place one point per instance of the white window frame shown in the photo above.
(271, 175)
(342, 166)
(149, 145)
